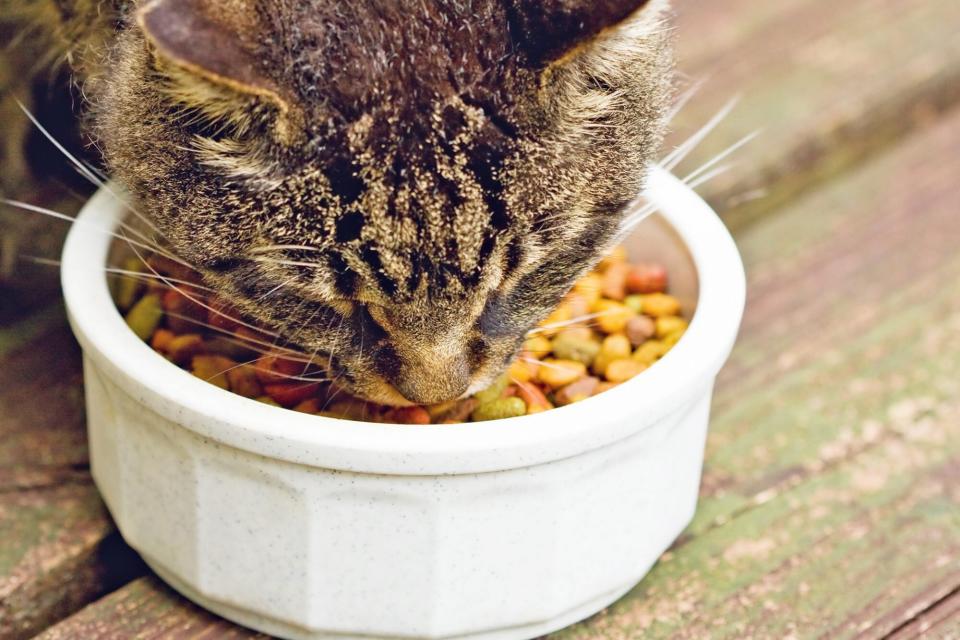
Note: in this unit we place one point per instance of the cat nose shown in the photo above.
(429, 382)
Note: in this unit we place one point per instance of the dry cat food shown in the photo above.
(615, 322)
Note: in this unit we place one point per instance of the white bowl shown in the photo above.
(311, 527)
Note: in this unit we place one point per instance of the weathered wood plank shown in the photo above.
(829, 83)
(59, 549)
(830, 504)
(59, 552)
(41, 396)
(145, 608)
(939, 622)
(833, 455)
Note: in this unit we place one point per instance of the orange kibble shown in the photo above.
(310, 405)
(558, 373)
(612, 316)
(556, 320)
(161, 340)
(537, 346)
(243, 380)
(660, 304)
(650, 351)
(623, 369)
(213, 369)
(616, 255)
(589, 287)
(614, 284)
(521, 371)
(666, 325)
(578, 304)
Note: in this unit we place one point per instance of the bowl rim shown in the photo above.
(686, 371)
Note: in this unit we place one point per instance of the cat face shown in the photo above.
(405, 191)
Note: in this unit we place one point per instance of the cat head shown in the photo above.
(405, 187)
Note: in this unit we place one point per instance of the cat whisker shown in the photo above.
(567, 323)
(710, 175)
(115, 272)
(541, 363)
(683, 99)
(258, 346)
(694, 179)
(84, 170)
(674, 158)
(283, 247)
(301, 378)
(147, 245)
(148, 277)
(276, 288)
(286, 263)
(201, 303)
(745, 140)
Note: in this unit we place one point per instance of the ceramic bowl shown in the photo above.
(310, 527)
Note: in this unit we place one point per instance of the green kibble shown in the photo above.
(635, 302)
(493, 392)
(144, 318)
(575, 348)
(498, 409)
(129, 286)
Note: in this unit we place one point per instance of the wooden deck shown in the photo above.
(830, 504)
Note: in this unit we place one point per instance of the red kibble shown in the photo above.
(647, 278)
(254, 338)
(222, 315)
(407, 415)
(271, 369)
(184, 313)
(172, 269)
(184, 347)
(290, 394)
(533, 397)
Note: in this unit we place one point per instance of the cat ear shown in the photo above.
(547, 29)
(215, 70)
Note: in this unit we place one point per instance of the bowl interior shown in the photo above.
(688, 239)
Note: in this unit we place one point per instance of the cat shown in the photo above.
(406, 186)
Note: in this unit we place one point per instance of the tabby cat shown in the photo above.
(406, 186)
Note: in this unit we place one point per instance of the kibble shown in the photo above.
(499, 409)
(145, 316)
(616, 322)
(612, 316)
(573, 345)
(639, 329)
(623, 369)
(578, 390)
(659, 305)
(557, 373)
